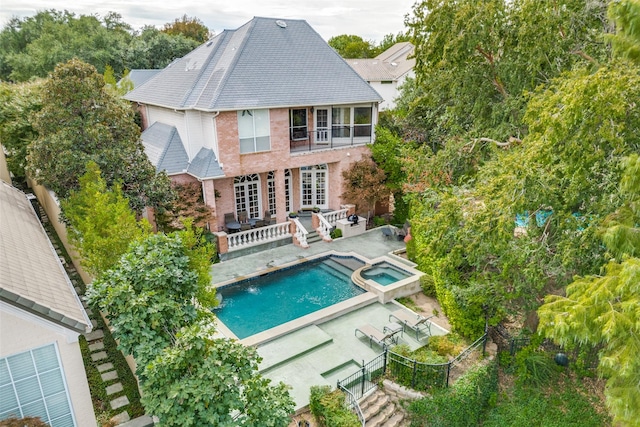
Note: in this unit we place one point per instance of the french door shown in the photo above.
(322, 126)
(314, 186)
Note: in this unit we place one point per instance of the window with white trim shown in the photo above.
(254, 131)
(247, 191)
(298, 124)
(287, 190)
(351, 121)
(271, 191)
(32, 384)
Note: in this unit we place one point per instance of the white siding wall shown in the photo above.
(171, 118)
(21, 331)
(196, 129)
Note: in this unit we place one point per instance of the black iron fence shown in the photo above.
(408, 372)
(359, 383)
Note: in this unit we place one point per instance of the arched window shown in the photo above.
(247, 191)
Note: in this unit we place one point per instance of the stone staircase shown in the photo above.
(313, 237)
(380, 410)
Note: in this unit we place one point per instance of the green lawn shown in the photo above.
(564, 402)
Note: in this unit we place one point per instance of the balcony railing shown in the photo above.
(327, 138)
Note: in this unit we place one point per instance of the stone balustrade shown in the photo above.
(257, 236)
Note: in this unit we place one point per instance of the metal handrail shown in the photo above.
(353, 403)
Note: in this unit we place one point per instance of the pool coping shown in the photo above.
(374, 292)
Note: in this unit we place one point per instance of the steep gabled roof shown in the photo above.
(205, 165)
(265, 63)
(165, 151)
(164, 148)
(31, 275)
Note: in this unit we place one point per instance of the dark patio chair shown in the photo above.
(268, 219)
(242, 217)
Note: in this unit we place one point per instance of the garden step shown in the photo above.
(397, 420)
(114, 388)
(109, 376)
(105, 367)
(96, 346)
(94, 335)
(121, 418)
(143, 421)
(370, 399)
(101, 355)
(380, 419)
(376, 407)
(119, 402)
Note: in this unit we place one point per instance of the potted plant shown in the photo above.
(293, 214)
(315, 209)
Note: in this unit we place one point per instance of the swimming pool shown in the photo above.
(254, 305)
(385, 273)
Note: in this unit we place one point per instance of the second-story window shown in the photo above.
(298, 124)
(253, 130)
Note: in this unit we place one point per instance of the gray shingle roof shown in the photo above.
(204, 165)
(164, 148)
(138, 77)
(31, 275)
(389, 65)
(259, 65)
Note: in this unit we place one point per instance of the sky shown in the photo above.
(369, 19)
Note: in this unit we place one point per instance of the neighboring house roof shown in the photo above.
(138, 77)
(165, 150)
(265, 63)
(31, 274)
(391, 64)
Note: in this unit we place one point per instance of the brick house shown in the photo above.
(265, 117)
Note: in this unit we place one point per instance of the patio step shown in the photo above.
(293, 345)
(313, 237)
(380, 411)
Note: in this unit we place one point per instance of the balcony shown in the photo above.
(302, 140)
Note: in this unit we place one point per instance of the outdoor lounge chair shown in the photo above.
(388, 232)
(375, 335)
(413, 321)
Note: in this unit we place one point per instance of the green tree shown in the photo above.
(151, 294)
(158, 303)
(364, 184)
(604, 310)
(100, 223)
(81, 121)
(625, 14)
(17, 103)
(476, 60)
(203, 380)
(351, 46)
(191, 28)
(53, 37)
(154, 49)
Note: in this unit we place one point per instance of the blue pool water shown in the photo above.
(385, 273)
(255, 305)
